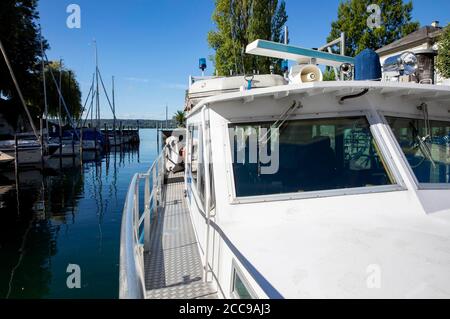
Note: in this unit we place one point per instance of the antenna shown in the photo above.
(301, 55)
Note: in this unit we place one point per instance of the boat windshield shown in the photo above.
(308, 155)
(426, 145)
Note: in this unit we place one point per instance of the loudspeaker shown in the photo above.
(305, 73)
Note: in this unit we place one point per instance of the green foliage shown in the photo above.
(443, 58)
(329, 75)
(70, 91)
(20, 37)
(240, 22)
(180, 118)
(352, 19)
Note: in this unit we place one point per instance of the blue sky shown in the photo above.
(151, 47)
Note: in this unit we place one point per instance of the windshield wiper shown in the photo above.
(281, 120)
(422, 145)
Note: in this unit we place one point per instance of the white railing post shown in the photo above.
(147, 217)
(136, 207)
(155, 191)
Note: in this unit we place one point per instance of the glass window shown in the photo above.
(426, 145)
(194, 142)
(312, 155)
(239, 289)
(196, 166)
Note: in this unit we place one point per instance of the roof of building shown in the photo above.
(424, 34)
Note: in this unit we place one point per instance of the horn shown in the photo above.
(305, 73)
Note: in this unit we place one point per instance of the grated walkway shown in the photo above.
(173, 268)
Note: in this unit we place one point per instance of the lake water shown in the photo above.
(68, 216)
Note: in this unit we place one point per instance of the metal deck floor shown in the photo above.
(173, 268)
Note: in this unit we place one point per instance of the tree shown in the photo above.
(443, 58)
(20, 37)
(352, 19)
(180, 118)
(240, 22)
(69, 88)
(329, 75)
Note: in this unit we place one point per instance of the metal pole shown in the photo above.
(98, 92)
(167, 116)
(147, 213)
(60, 114)
(114, 111)
(44, 81)
(342, 52)
(18, 90)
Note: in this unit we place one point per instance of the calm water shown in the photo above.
(67, 217)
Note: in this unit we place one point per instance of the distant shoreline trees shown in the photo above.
(240, 22)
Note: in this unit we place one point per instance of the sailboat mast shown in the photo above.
(98, 92)
(60, 96)
(44, 81)
(114, 107)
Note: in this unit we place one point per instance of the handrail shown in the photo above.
(131, 268)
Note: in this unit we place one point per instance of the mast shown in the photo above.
(44, 81)
(97, 111)
(60, 96)
(114, 109)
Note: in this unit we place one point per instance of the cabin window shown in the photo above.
(239, 287)
(426, 145)
(311, 155)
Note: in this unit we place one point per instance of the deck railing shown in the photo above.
(135, 229)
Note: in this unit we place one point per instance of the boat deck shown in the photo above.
(173, 268)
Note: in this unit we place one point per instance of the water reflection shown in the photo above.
(68, 213)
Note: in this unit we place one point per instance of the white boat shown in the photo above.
(29, 151)
(298, 190)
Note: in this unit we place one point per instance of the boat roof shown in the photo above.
(424, 92)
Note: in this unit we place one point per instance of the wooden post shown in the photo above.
(16, 154)
(81, 147)
(106, 137)
(42, 142)
(73, 151)
(16, 172)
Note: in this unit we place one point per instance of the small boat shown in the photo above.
(69, 147)
(29, 151)
(93, 140)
